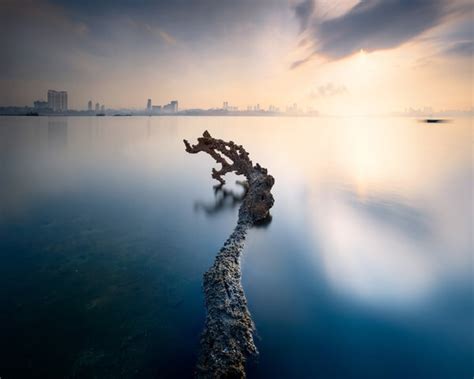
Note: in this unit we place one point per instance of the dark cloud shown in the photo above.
(300, 62)
(186, 17)
(303, 12)
(463, 48)
(373, 25)
(458, 39)
(56, 37)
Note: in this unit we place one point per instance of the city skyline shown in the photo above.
(317, 54)
(57, 102)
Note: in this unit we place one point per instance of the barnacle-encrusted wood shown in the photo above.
(258, 200)
(227, 339)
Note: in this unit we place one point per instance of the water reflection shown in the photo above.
(393, 211)
(57, 133)
(381, 249)
(224, 199)
(366, 264)
(228, 199)
(381, 267)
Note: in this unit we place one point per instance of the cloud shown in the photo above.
(303, 12)
(328, 90)
(300, 62)
(370, 25)
(457, 40)
(167, 38)
(464, 48)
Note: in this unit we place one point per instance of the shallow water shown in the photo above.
(107, 225)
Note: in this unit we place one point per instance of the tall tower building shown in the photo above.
(148, 105)
(89, 106)
(97, 107)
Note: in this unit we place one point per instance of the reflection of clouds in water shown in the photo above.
(392, 212)
(367, 258)
(383, 250)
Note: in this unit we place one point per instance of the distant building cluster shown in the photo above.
(98, 108)
(426, 111)
(40, 104)
(293, 110)
(171, 107)
(250, 108)
(253, 108)
(273, 109)
(230, 108)
(57, 102)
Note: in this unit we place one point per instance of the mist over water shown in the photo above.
(107, 225)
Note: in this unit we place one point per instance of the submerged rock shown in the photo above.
(227, 339)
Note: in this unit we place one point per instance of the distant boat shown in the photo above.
(32, 114)
(100, 114)
(434, 120)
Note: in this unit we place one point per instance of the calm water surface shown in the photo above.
(107, 225)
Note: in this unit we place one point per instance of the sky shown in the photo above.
(336, 57)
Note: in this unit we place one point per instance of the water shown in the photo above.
(106, 226)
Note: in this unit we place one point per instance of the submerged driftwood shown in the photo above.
(227, 339)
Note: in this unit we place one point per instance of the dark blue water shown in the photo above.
(107, 225)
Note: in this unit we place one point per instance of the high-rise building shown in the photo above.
(174, 106)
(102, 108)
(89, 106)
(148, 105)
(272, 108)
(63, 100)
(171, 107)
(227, 107)
(57, 100)
(97, 107)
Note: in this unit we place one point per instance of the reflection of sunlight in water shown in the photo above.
(389, 206)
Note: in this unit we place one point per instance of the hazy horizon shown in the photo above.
(340, 57)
